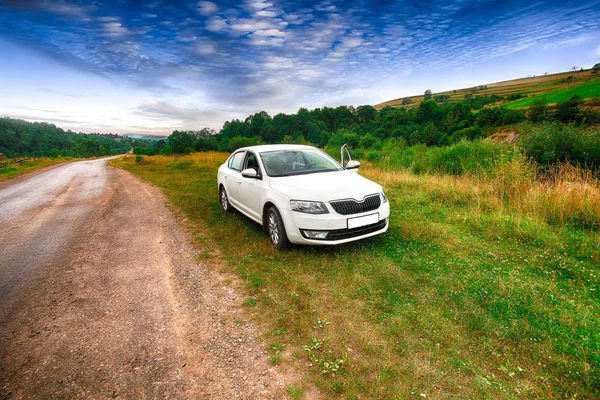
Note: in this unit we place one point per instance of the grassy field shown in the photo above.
(14, 170)
(585, 91)
(530, 86)
(476, 290)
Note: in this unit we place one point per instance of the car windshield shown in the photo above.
(297, 162)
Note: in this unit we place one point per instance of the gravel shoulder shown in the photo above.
(103, 297)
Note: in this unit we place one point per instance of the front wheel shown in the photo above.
(224, 200)
(276, 230)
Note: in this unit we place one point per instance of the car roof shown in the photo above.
(276, 147)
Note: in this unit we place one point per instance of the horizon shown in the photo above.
(153, 68)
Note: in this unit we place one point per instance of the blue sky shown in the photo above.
(155, 66)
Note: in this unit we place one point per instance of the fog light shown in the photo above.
(315, 234)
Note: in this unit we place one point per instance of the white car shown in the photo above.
(299, 194)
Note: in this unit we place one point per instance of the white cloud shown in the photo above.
(186, 37)
(270, 32)
(108, 19)
(64, 8)
(207, 7)
(259, 4)
(266, 41)
(249, 25)
(216, 24)
(205, 48)
(598, 51)
(115, 29)
(267, 14)
(277, 63)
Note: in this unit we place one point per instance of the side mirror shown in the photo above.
(250, 173)
(353, 165)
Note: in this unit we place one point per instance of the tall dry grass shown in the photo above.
(564, 195)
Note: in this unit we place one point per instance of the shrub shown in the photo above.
(470, 133)
(570, 110)
(464, 157)
(552, 142)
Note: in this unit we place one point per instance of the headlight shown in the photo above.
(383, 197)
(309, 207)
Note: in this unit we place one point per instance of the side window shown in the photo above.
(235, 162)
(252, 162)
(300, 159)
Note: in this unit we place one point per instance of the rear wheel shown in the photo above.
(276, 230)
(224, 200)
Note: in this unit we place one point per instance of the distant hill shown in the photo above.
(19, 138)
(516, 89)
(144, 136)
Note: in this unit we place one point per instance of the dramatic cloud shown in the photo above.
(200, 60)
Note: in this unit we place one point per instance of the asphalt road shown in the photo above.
(101, 296)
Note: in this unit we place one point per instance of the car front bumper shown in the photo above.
(338, 227)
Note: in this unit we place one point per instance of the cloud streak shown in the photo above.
(279, 55)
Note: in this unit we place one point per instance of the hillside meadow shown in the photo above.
(529, 86)
(485, 286)
(585, 91)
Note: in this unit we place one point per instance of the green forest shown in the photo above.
(40, 139)
(551, 133)
(369, 132)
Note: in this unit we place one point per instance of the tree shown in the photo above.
(181, 142)
(428, 94)
(595, 69)
(538, 110)
(365, 114)
(407, 100)
(429, 111)
(569, 110)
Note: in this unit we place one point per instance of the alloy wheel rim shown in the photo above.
(224, 200)
(273, 229)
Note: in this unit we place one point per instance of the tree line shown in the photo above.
(41, 139)
(431, 123)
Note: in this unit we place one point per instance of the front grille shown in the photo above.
(347, 207)
(340, 234)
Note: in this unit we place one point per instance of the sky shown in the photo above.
(151, 67)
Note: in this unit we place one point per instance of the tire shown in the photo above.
(276, 229)
(224, 199)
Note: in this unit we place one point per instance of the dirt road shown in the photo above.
(101, 296)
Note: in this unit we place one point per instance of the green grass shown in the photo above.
(585, 91)
(14, 170)
(459, 299)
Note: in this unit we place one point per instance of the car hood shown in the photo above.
(325, 186)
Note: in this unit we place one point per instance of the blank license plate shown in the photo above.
(362, 221)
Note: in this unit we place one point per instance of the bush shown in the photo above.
(552, 143)
(470, 133)
(475, 158)
(570, 110)
(515, 96)
(498, 116)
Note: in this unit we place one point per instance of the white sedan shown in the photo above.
(299, 194)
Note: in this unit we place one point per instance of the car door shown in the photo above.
(233, 175)
(249, 189)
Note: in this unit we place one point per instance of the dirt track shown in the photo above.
(101, 296)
